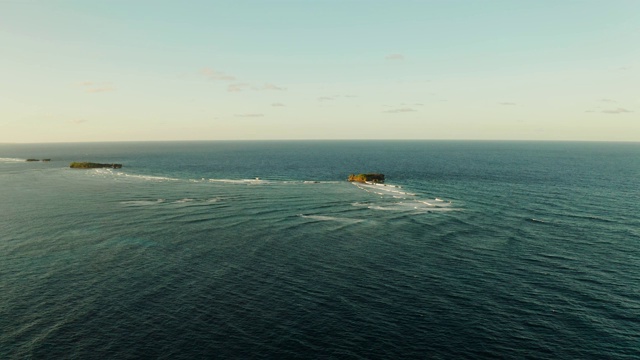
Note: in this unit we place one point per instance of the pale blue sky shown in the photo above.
(326, 69)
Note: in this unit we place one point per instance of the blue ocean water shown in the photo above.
(263, 250)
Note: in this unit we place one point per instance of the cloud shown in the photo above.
(616, 111)
(607, 101)
(249, 115)
(277, 104)
(77, 121)
(325, 98)
(216, 75)
(238, 87)
(94, 87)
(394, 57)
(269, 86)
(399, 110)
(507, 103)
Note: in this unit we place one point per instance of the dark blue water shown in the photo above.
(263, 250)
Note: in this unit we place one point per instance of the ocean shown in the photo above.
(263, 250)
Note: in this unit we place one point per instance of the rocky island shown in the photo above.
(373, 178)
(90, 165)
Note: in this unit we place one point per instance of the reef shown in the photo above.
(373, 178)
(90, 165)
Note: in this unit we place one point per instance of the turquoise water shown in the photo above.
(263, 250)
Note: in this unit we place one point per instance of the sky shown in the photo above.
(125, 70)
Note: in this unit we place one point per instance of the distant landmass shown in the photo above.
(374, 178)
(91, 165)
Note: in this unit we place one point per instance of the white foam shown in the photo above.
(110, 172)
(391, 198)
(143, 202)
(12, 160)
(256, 181)
(182, 201)
(331, 218)
(149, 178)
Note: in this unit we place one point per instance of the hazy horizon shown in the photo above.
(77, 71)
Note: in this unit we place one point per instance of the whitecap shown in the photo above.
(182, 201)
(330, 218)
(12, 160)
(142, 202)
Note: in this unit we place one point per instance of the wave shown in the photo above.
(536, 220)
(142, 202)
(110, 172)
(182, 201)
(12, 160)
(256, 181)
(330, 218)
(380, 190)
(259, 181)
(394, 198)
(186, 201)
(410, 206)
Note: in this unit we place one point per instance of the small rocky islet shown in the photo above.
(92, 165)
(364, 178)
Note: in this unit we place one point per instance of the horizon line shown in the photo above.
(322, 140)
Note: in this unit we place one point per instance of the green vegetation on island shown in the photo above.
(374, 178)
(90, 165)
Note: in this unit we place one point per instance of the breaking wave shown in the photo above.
(395, 198)
(11, 160)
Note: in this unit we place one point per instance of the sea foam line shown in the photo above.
(330, 218)
(393, 199)
(110, 172)
(12, 160)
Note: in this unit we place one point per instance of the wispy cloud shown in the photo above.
(211, 74)
(273, 87)
(399, 110)
(616, 111)
(607, 101)
(325, 98)
(237, 87)
(94, 87)
(507, 104)
(277, 104)
(394, 57)
(250, 115)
